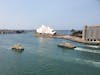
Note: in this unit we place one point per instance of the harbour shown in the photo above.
(49, 37)
(41, 56)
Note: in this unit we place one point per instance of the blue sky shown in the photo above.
(59, 14)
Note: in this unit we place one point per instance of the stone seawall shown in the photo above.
(68, 37)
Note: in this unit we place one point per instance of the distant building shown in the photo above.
(45, 30)
(91, 33)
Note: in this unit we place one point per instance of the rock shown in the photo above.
(66, 45)
(17, 47)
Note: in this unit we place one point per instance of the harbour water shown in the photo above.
(42, 57)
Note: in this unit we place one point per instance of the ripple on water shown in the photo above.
(87, 50)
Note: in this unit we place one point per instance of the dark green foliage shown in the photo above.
(77, 33)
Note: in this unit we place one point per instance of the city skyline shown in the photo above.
(59, 14)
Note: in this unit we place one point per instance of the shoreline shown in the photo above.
(14, 31)
(68, 37)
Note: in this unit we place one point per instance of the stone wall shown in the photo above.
(91, 33)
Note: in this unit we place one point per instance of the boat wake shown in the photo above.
(92, 46)
(89, 62)
(86, 50)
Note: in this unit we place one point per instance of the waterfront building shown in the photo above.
(45, 30)
(91, 33)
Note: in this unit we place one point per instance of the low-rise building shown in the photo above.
(91, 33)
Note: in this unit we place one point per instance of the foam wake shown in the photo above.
(86, 50)
(92, 46)
(89, 62)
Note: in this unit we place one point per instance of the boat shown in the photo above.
(66, 45)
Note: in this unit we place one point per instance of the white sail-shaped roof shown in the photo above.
(45, 30)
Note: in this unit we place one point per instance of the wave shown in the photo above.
(90, 62)
(92, 46)
(86, 50)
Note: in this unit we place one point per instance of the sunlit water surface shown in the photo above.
(42, 57)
